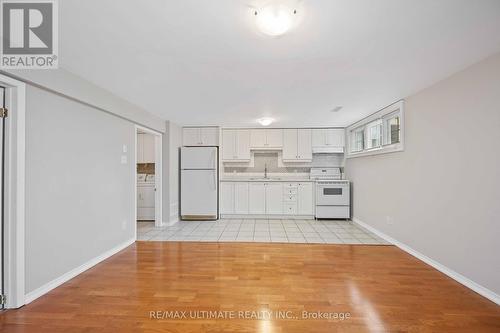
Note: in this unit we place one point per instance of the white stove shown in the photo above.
(333, 195)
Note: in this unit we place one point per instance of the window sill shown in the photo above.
(378, 151)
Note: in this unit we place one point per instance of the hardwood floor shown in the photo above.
(381, 288)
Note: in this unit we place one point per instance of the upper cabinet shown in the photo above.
(297, 145)
(200, 136)
(266, 138)
(145, 148)
(328, 140)
(236, 145)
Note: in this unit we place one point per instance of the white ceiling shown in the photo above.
(203, 62)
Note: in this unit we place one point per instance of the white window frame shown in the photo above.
(363, 134)
(368, 127)
(391, 111)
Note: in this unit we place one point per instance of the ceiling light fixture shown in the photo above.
(336, 109)
(275, 20)
(265, 121)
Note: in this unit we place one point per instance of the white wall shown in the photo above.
(172, 141)
(443, 191)
(70, 85)
(79, 197)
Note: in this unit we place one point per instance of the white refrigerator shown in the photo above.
(199, 183)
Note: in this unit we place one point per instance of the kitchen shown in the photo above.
(266, 184)
(269, 173)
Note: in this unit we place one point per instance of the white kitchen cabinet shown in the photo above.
(266, 138)
(275, 138)
(258, 138)
(241, 198)
(145, 148)
(236, 145)
(305, 199)
(257, 198)
(267, 198)
(200, 136)
(297, 145)
(227, 198)
(274, 198)
(328, 139)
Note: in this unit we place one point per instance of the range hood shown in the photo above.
(328, 150)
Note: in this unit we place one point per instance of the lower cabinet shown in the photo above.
(257, 198)
(274, 201)
(305, 199)
(267, 198)
(226, 198)
(241, 198)
(234, 198)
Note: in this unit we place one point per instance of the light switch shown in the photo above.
(124, 159)
(125, 148)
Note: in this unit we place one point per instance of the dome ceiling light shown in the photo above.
(275, 19)
(265, 121)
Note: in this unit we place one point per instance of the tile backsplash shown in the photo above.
(271, 159)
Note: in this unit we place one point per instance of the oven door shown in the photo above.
(332, 194)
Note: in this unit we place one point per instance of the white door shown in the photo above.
(274, 198)
(243, 144)
(241, 198)
(305, 193)
(2, 170)
(304, 144)
(229, 145)
(209, 136)
(199, 193)
(198, 158)
(258, 138)
(148, 148)
(257, 198)
(274, 138)
(227, 198)
(191, 136)
(290, 144)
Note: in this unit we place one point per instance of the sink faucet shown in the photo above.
(265, 171)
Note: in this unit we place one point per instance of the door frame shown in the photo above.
(158, 174)
(14, 278)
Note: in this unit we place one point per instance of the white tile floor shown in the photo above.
(247, 230)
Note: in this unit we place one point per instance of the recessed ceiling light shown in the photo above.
(275, 20)
(265, 121)
(336, 109)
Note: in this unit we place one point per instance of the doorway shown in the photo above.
(3, 119)
(148, 187)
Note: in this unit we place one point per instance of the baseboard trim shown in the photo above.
(485, 292)
(30, 297)
(266, 217)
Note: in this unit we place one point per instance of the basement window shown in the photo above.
(381, 132)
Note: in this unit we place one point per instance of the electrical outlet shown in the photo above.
(389, 220)
(124, 148)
